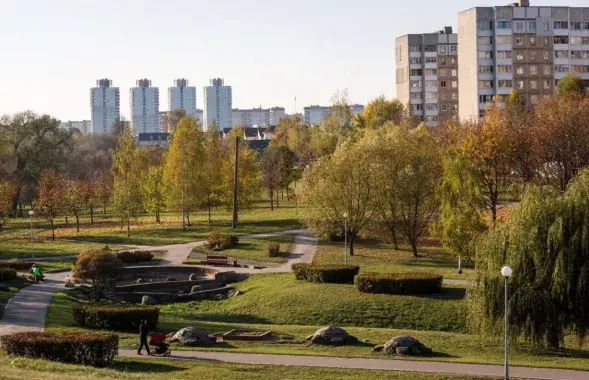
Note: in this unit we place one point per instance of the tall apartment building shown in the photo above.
(518, 47)
(217, 105)
(182, 96)
(145, 107)
(316, 114)
(105, 105)
(427, 74)
(262, 117)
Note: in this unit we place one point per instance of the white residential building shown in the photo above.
(262, 117)
(182, 96)
(84, 126)
(276, 113)
(518, 47)
(105, 106)
(217, 105)
(145, 107)
(316, 114)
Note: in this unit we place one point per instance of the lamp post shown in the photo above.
(31, 214)
(345, 238)
(506, 272)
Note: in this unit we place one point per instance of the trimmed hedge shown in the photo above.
(221, 242)
(7, 274)
(94, 349)
(399, 283)
(273, 249)
(17, 265)
(334, 274)
(117, 318)
(130, 257)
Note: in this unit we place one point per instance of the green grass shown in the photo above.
(448, 347)
(20, 248)
(158, 369)
(251, 249)
(383, 258)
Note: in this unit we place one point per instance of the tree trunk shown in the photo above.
(414, 247)
(77, 222)
(287, 194)
(351, 243)
(393, 230)
(67, 223)
(91, 214)
(52, 229)
(271, 200)
(209, 205)
(277, 201)
(104, 209)
(128, 224)
(157, 215)
(494, 212)
(188, 219)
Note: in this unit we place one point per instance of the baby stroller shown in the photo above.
(158, 340)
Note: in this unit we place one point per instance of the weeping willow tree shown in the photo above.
(546, 242)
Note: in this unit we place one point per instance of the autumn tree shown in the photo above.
(212, 176)
(172, 119)
(271, 165)
(102, 184)
(153, 191)
(127, 172)
(51, 200)
(6, 195)
(183, 169)
(98, 268)
(381, 111)
(75, 198)
(570, 84)
(338, 185)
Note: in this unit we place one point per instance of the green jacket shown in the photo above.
(37, 271)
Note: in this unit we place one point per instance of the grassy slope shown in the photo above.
(380, 258)
(20, 368)
(251, 249)
(450, 347)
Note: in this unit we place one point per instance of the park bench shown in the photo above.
(220, 260)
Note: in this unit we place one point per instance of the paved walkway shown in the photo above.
(26, 310)
(375, 364)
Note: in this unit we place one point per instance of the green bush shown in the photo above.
(7, 274)
(335, 274)
(221, 242)
(17, 265)
(117, 318)
(273, 249)
(130, 257)
(399, 283)
(70, 347)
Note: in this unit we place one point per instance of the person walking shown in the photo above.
(37, 274)
(143, 332)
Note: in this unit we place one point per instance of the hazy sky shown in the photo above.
(269, 51)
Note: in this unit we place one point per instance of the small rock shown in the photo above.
(169, 279)
(148, 300)
(196, 288)
(69, 284)
(378, 348)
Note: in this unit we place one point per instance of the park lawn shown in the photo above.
(448, 347)
(144, 231)
(162, 369)
(20, 248)
(250, 249)
(383, 258)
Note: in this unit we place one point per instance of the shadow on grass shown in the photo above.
(447, 293)
(561, 353)
(144, 367)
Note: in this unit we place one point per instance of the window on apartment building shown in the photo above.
(485, 98)
(431, 118)
(415, 48)
(443, 84)
(519, 41)
(485, 54)
(504, 54)
(443, 72)
(481, 40)
(454, 84)
(417, 107)
(453, 49)
(504, 40)
(519, 26)
(415, 60)
(431, 72)
(485, 69)
(585, 54)
(533, 84)
(585, 40)
(561, 24)
(431, 59)
(533, 40)
(444, 107)
(416, 72)
(545, 26)
(546, 41)
(453, 60)
(532, 26)
(576, 54)
(561, 54)
(454, 72)
(503, 24)
(431, 83)
(519, 56)
(534, 99)
(442, 61)
(585, 25)
(505, 84)
(561, 39)
(547, 84)
(454, 107)
(546, 55)
(576, 40)
(431, 95)
(504, 69)
(520, 84)
(484, 25)
(546, 69)
(430, 48)
(532, 55)
(443, 49)
(485, 84)
(577, 69)
(533, 70)
(454, 96)
(415, 83)
(520, 70)
(431, 107)
(575, 25)
(443, 95)
(561, 68)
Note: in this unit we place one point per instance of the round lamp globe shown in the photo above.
(506, 271)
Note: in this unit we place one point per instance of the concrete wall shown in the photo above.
(468, 61)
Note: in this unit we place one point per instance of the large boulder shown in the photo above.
(190, 336)
(332, 335)
(405, 345)
(148, 300)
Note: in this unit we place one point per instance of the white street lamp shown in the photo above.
(506, 272)
(345, 238)
(31, 214)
